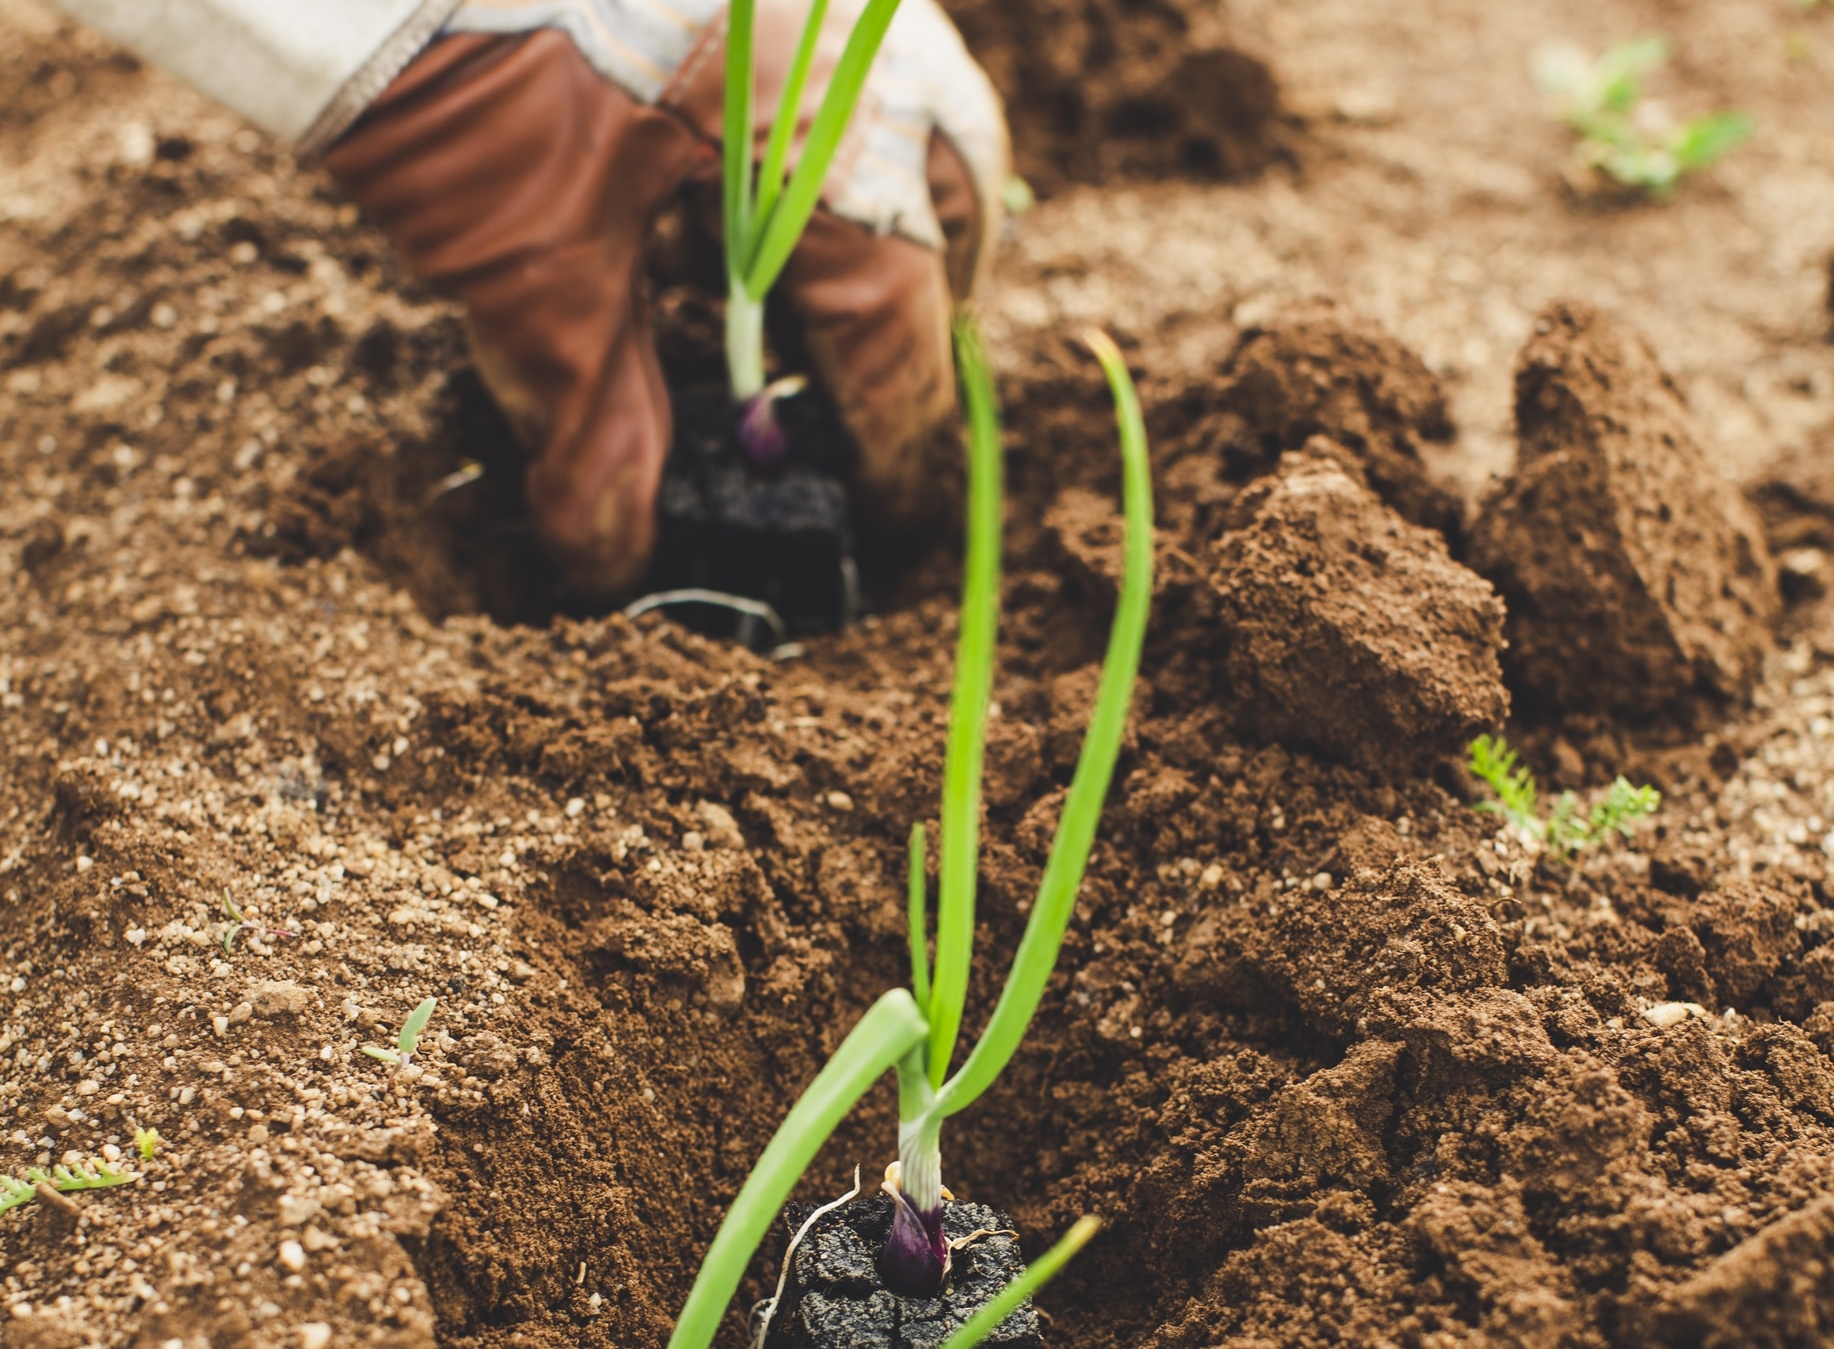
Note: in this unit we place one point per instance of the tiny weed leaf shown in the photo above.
(409, 1039)
(1622, 136)
(1622, 808)
(1494, 762)
(63, 1179)
(1708, 138)
(146, 1142)
(233, 912)
(14, 1192)
(1568, 830)
(414, 1025)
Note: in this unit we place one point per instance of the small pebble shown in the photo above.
(1666, 1014)
(293, 1255)
(840, 800)
(314, 1335)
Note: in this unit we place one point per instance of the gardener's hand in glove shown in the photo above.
(521, 172)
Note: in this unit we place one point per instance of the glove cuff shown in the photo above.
(296, 70)
(373, 76)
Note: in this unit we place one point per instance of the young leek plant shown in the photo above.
(914, 1031)
(765, 215)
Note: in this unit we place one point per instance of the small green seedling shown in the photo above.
(1567, 831)
(64, 1179)
(237, 921)
(409, 1040)
(233, 912)
(146, 1143)
(914, 1031)
(1624, 136)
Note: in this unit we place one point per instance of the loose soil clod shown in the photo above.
(1172, 86)
(1317, 370)
(1638, 581)
(1345, 628)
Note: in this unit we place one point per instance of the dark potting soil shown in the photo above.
(835, 1299)
(780, 535)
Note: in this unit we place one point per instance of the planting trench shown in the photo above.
(1336, 1061)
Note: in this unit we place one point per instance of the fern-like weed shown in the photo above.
(1568, 829)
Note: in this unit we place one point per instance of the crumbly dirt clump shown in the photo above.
(1316, 369)
(1346, 629)
(1094, 90)
(1638, 581)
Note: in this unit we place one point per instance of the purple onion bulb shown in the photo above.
(916, 1255)
(761, 434)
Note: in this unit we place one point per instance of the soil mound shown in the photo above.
(1337, 1061)
(1153, 87)
(1320, 370)
(1348, 630)
(1638, 581)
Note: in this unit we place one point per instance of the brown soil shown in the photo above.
(1338, 1061)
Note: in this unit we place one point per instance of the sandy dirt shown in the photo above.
(1339, 1060)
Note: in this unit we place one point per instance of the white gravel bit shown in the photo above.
(293, 1256)
(1666, 1014)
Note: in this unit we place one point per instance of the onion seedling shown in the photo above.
(409, 1040)
(914, 1031)
(766, 212)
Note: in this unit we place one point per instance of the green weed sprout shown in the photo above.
(765, 215)
(914, 1031)
(238, 920)
(146, 1143)
(409, 1040)
(1567, 831)
(63, 1179)
(233, 912)
(1622, 135)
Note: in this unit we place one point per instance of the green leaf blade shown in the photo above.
(1041, 1271)
(736, 136)
(1708, 139)
(789, 110)
(414, 1025)
(1036, 957)
(891, 1027)
(973, 693)
(776, 237)
(917, 906)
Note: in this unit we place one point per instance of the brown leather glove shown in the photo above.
(515, 177)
